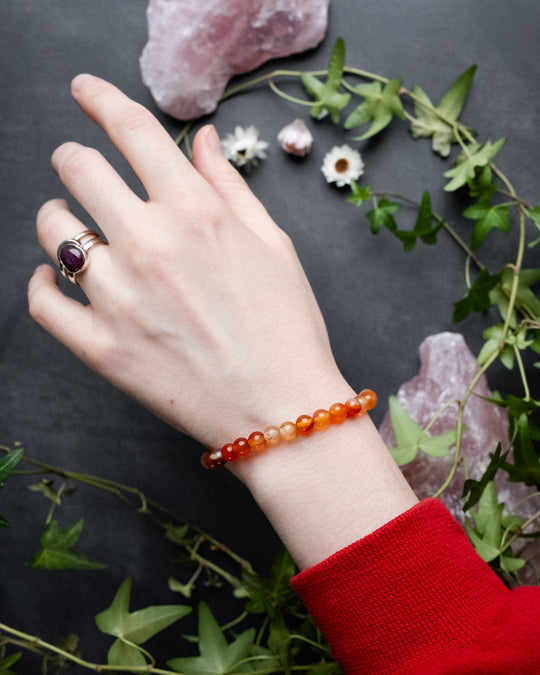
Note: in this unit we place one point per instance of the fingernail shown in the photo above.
(81, 81)
(212, 139)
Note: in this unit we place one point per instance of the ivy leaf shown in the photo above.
(482, 184)
(7, 464)
(526, 466)
(437, 122)
(410, 437)
(7, 662)
(475, 488)
(382, 215)
(134, 628)
(423, 228)
(493, 338)
(379, 107)
(478, 298)
(328, 95)
(56, 550)
(487, 217)
(217, 657)
(468, 163)
(359, 194)
(534, 215)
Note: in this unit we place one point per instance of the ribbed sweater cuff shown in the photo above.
(409, 592)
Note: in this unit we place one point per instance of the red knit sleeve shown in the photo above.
(414, 597)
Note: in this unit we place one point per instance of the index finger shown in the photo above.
(152, 153)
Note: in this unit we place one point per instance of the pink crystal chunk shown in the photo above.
(447, 368)
(194, 48)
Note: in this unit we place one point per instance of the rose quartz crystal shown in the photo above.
(447, 368)
(194, 48)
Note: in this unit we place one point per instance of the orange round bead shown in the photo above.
(228, 453)
(304, 424)
(256, 441)
(338, 413)
(272, 435)
(364, 403)
(287, 431)
(321, 419)
(354, 406)
(241, 447)
(370, 396)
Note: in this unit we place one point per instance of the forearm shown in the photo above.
(323, 492)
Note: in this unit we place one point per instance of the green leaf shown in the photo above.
(423, 228)
(487, 216)
(9, 462)
(437, 122)
(137, 627)
(268, 594)
(478, 297)
(7, 662)
(410, 437)
(379, 107)
(475, 488)
(328, 95)
(359, 194)
(382, 215)
(123, 654)
(526, 466)
(217, 657)
(493, 337)
(56, 550)
(468, 162)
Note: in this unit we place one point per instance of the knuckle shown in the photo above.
(132, 118)
(77, 162)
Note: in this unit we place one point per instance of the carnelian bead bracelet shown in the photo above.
(259, 441)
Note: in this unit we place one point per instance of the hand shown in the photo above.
(199, 307)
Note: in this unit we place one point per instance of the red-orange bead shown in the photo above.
(304, 424)
(212, 459)
(287, 431)
(241, 447)
(370, 396)
(321, 419)
(228, 453)
(338, 413)
(364, 403)
(354, 407)
(256, 441)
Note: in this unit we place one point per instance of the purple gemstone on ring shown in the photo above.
(72, 258)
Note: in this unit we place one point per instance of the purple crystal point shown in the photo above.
(72, 257)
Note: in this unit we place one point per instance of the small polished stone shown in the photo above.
(287, 431)
(304, 424)
(354, 406)
(72, 258)
(370, 396)
(256, 441)
(338, 413)
(228, 453)
(241, 447)
(321, 419)
(272, 435)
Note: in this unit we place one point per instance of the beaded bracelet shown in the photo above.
(259, 441)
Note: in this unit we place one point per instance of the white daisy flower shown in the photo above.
(341, 165)
(243, 147)
(296, 138)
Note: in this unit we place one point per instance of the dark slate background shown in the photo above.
(379, 302)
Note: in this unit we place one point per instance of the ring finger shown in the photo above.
(55, 224)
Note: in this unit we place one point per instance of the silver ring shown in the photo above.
(73, 253)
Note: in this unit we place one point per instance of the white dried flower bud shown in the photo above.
(296, 138)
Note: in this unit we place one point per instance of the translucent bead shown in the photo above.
(256, 441)
(370, 396)
(212, 459)
(321, 419)
(354, 407)
(338, 413)
(287, 431)
(304, 424)
(272, 435)
(228, 453)
(241, 447)
(364, 403)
